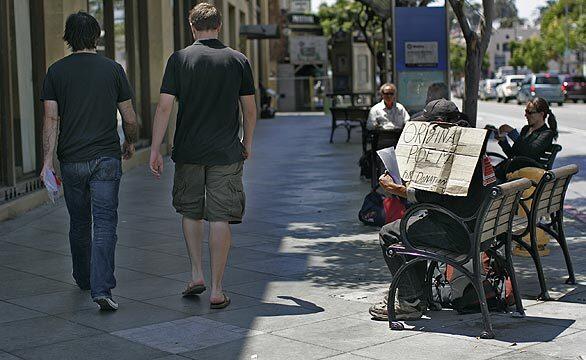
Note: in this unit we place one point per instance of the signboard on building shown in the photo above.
(302, 19)
(308, 50)
(299, 6)
(421, 54)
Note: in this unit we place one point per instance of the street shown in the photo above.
(571, 120)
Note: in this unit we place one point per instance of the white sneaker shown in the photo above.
(106, 304)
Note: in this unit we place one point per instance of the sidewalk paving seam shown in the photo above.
(521, 351)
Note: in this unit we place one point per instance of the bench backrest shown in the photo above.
(349, 114)
(551, 190)
(499, 209)
(549, 156)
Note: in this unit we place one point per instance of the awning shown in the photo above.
(260, 31)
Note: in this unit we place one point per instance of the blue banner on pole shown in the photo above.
(421, 53)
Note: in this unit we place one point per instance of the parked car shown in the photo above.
(547, 86)
(458, 88)
(487, 88)
(509, 88)
(575, 87)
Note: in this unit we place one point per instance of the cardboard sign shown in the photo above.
(439, 157)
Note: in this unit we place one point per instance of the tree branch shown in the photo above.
(458, 7)
(486, 25)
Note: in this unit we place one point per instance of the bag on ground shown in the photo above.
(452, 289)
(378, 210)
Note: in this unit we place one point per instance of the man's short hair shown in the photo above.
(436, 91)
(391, 85)
(204, 17)
(82, 31)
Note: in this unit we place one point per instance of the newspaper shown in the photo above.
(389, 158)
(439, 157)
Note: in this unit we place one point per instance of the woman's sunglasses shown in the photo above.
(531, 112)
(388, 93)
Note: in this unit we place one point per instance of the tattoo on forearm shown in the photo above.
(129, 122)
(130, 131)
(50, 136)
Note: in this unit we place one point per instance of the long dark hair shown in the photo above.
(82, 31)
(541, 105)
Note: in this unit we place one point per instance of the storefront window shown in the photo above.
(24, 120)
(120, 33)
(96, 9)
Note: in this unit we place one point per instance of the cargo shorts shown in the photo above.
(209, 192)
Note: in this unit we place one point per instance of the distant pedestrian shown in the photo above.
(81, 94)
(387, 114)
(435, 91)
(209, 80)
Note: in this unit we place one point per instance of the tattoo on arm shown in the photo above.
(50, 126)
(129, 122)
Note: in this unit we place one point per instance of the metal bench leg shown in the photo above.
(479, 286)
(544, 295)
(428, 287)
(518, 302)
(561, 239)
(348, 129)
(332, 133)
(393, 323)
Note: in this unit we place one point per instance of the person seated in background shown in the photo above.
(534, 140)
(435, 229)
(435, 91)
(387, 114)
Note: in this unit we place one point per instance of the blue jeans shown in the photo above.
(91, 189)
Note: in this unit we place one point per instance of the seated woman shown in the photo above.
(531, 144)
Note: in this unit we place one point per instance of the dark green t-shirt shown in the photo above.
(87, 88)
(208, 78)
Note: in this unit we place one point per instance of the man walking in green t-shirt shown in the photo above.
(209, 81)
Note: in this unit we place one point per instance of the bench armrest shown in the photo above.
(433, 207)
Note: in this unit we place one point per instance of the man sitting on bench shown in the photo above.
(435, 229)
(387, 114)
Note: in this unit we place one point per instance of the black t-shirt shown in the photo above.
(87, 88)
(208, 78)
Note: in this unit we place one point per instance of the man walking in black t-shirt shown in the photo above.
(209, 80)
(81, 94)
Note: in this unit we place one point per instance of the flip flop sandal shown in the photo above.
(194, 290)
(221, 305)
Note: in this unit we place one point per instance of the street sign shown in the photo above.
(421, 53)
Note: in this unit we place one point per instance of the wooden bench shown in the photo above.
(494, 217)
(547, 200)
(349, 117)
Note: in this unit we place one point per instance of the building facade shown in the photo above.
(499, 51)
(138, 34)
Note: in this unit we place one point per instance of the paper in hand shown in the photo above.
(52, 184)
(389, 158)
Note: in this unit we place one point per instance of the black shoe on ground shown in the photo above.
(106, 304)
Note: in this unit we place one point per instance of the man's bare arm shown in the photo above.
(50, 129)
(129, 122)
(249, 121)
(160, 124)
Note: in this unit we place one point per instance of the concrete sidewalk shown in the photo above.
(302, 273)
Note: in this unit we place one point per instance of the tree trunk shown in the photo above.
(472, 80)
